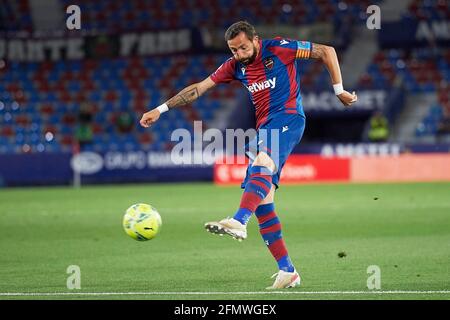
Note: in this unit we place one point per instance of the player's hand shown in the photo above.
(149, 118)
(348, 98)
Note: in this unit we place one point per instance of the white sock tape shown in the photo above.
(338, 88)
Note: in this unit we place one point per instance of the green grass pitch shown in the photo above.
(404, 229)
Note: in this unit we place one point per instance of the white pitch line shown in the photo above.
(377, 292)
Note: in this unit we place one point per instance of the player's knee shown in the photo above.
(264, 160)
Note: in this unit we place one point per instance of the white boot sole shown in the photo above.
(217, 228)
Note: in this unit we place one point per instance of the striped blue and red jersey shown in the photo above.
(272, 80)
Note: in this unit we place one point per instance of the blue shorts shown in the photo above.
(277, 137)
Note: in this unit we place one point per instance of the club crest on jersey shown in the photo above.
(268, 63)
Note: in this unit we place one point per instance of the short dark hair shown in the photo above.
(238, 27)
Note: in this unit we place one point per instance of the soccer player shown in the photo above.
(269, 71)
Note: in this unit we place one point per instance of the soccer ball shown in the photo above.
(142, 222)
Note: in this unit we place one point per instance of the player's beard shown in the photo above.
(252, 58)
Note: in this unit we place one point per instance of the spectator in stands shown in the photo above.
(102, 47)
(124, 122)
(379, 128)
(83, 133)
(443, 128)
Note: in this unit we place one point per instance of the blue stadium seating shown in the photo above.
(53, 100)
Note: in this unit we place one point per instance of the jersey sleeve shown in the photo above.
(225, 73)
(304, 49)
(289, 50)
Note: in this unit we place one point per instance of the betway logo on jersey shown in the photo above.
(258, 86)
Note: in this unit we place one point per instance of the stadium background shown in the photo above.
(71, 99)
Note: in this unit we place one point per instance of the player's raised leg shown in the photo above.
(256, 190)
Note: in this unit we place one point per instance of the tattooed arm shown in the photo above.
(190, 93)
(328, 56)
(185, 96)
